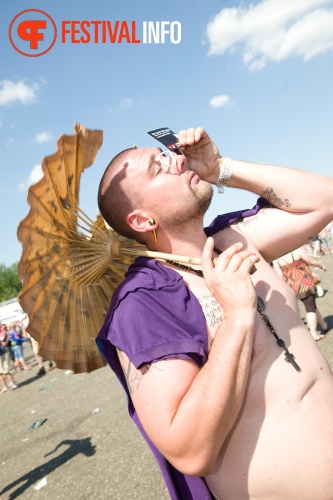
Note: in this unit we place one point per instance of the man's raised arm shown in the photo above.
(304, 199)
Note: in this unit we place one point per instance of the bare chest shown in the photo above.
(213, 312)
(280, 308)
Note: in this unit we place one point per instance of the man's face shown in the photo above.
(174, 194)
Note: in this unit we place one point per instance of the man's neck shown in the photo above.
(188, 241)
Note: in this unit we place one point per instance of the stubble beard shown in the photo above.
(189, 211)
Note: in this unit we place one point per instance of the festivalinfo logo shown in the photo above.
(33, 32)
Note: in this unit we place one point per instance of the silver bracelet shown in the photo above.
(225, 174)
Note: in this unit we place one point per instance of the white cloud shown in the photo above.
(43, 137)
(218, 101)
(35, 175)
(11, 92)
(125, 103)
(273, 30)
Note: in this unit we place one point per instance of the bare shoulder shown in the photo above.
(233, 234)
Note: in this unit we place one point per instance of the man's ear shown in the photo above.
(138, 221)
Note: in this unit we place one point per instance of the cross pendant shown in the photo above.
(290, 358)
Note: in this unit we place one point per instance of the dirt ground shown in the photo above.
(87, 448)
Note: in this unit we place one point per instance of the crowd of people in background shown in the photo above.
(12, 339)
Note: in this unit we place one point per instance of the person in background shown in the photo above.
(294, 269)
(38, 357)
(40, 360)
(6, 377)
(315, 246)
(35, 347)
(325, 237)
(16, 340)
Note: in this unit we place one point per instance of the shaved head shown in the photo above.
(114, 202)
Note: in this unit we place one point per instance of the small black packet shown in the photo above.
(167, 137)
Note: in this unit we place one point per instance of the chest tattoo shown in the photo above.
(211, 309)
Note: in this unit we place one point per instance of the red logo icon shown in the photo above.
(32, 32)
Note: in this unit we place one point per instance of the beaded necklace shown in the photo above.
(288, 356)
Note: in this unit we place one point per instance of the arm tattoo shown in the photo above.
(132, 375)
(270, 196)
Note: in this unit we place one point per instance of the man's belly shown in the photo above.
(280, 449)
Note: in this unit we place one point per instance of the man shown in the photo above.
(209, 386)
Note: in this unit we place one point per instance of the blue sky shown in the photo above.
(258, 76)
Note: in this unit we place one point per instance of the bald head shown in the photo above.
(115, 199)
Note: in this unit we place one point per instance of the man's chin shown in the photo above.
(205, 198)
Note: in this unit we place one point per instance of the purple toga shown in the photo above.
(154, 316)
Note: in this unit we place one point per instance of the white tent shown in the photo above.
(11, 311)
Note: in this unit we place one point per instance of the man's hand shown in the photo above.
(203, 155)
(229, 280)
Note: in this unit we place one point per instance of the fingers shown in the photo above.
(248, 263)
(222, 261)
(207, 254)
(239, 260)
(190, 136)
(232, 259)
(198, 134)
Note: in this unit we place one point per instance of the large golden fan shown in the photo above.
(70, 264)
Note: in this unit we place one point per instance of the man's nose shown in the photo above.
(181, 164)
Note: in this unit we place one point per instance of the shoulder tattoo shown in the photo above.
(133, 375)
(272, 197)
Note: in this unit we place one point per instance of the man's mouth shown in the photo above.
(193, 177)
